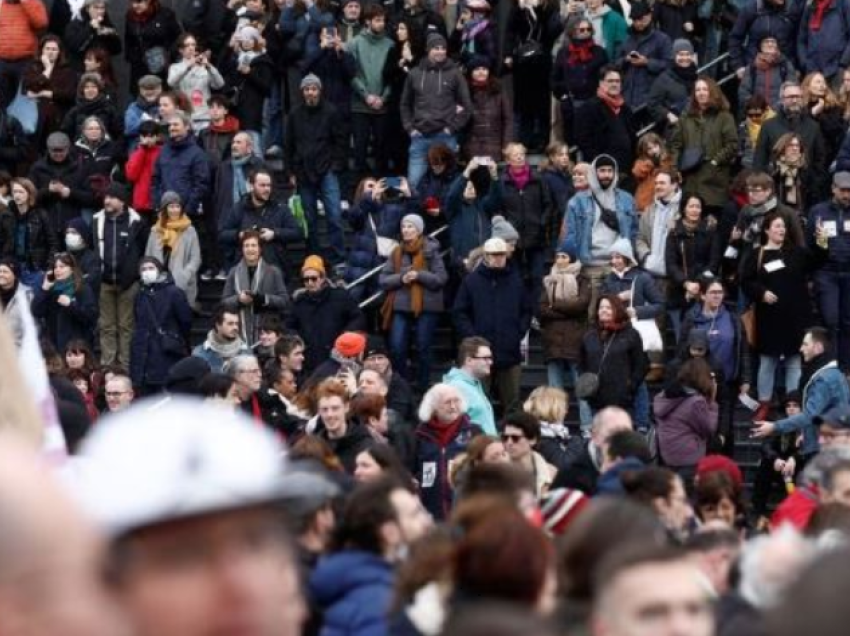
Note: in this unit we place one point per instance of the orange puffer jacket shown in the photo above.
(19, 27)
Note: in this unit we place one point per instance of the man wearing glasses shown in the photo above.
(474, 364)
(245, 370)
(119, 393)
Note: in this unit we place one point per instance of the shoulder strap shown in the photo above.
(605, 351)
(759, 259)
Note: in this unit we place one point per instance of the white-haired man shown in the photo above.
(443, 434)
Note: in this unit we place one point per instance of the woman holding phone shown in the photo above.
(65, 304)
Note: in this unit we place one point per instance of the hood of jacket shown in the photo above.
(667, 402)
(459, 376)
(338, 574)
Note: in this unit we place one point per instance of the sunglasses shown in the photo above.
(309, 279)
(516, 439)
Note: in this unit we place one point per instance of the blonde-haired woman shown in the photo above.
(174, 242)
(550, 406)
(825, 108)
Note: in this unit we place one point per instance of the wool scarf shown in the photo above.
(613, 103)
(580, 52)
(240, 183)
(170, 230)
(65, 288)
(520, 176)
(416, 251)
(562, 283)
(817, 16)
(789, 171)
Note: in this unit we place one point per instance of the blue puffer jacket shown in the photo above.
(158, 307)
(183, 167)
(469, 222)
(581, 214)
(354, 591)
(828, 49)
(432, 465)
(363, 253)
(494, 304)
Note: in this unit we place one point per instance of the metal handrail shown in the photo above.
(375, 270)
(649, 127)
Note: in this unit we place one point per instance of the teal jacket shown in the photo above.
(478, 406)
(370, 54)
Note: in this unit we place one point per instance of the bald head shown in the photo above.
(51, 558)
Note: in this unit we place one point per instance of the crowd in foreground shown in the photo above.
(319, 480)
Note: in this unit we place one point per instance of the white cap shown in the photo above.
(495, 246)
(182, 458)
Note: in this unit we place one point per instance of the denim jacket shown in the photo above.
(581, 213)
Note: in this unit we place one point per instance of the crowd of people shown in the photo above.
(681, 253)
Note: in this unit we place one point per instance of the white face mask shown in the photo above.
(74, 242)
(149, 276)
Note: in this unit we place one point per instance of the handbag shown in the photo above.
(748, 316)
(386, 246)
(171, 343)
(528, 51)
(156, 59)
(691, 159)
(648, 329)
(587, 383)
(25, 110)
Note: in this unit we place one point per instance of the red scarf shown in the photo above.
(520, 176)
(580, 53)
(614, 103)
(445, 433)
(817, 17)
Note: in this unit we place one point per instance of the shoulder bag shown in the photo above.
(386, 246)
(170, 343)
(648, 329)
(748, 316)
(587, 384)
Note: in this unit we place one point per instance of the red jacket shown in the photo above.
(19, 27)
(139, 172)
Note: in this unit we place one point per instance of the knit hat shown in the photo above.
(12, 264)
(376, 346)
(185, 377)
(247, 33)
(168, 198)
(58, 141)
(698, 339)
(116, 191)
(78, 225)
(682, 46)
(90, 78)
(350, 344)
(150, 81)
(721, 463)
(478, 61)
(638, 10)
(435, 39)
(623, 247)
(416, 221)
(841, 180)
(560, 508)
(495, 246)
(311, 80)
(569, 248)
(501, 228)
(315, 263)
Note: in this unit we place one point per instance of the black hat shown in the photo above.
(698, 339)
(185, 376)
(435, 39)
(376, 346)
(638, 10)
(479, 61)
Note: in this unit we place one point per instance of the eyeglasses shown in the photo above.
(482, 357)
(584, 30)
(310, 279)
(514, 439)
(793, 96)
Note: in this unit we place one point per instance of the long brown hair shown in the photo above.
(716, 99)
(68, 259)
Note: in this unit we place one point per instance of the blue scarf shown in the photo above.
(64, 288)
(240, 184)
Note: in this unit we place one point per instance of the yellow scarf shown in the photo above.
(169, 232)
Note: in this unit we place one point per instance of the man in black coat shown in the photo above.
(605, 124)
(315, 154)
(321, 312)
(493, 303)
(260, 211)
